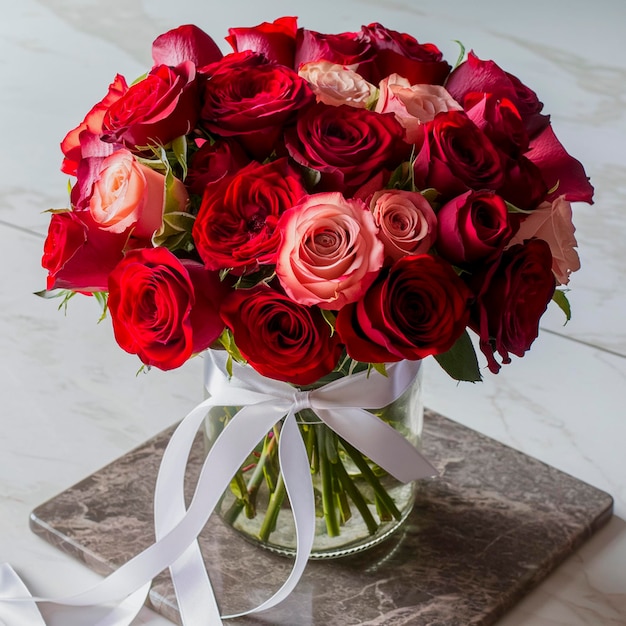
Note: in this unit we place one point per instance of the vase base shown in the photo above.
(332, 552)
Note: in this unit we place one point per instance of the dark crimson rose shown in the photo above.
(475, 75)
(280, 338)
(419, 308)
(456, 156)
(77, 254)
(252, 99)
(349, 49)
(500, 120)
(511, 296)
(399, 53)
(473, 227)
(156, 110)
(275, 40)
(90, 128)
(562, 173)
(213, 161)
(236, 223)
(523, 184)
(185, 43)
(163, 309)
(348, 146)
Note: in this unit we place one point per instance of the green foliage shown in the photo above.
(460, 361)
(461, 56)
(561, 300)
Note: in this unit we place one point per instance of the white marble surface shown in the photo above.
(70, 399)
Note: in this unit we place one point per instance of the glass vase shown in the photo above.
(357, 503)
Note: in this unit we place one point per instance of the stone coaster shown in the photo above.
(492, 526)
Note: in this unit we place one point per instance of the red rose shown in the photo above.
(90, 128)
(77, 254)
(419, 308)
(253, 100)
(473, 227)
(163, 309)
(280, 338)
(456, 156)
(156, 110)
(562, 173)
(349, 49)
(277, 41)
(523, 184)
(475, 75)
(511, 296)
(399, 53)
(185, 43)
(500, 120)
(236, 223)
(348, 146)
(212, 162)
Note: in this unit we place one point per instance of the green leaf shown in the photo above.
(461, 53)
(561, 299)
(179, 147)
(511, 208)
(378, 367)
(330, 320)
(460, 361)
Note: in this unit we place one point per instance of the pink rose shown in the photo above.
(330, 253)
(129, 196)
(407, 222)
(335, 84)
(413, 105)
(553, 223)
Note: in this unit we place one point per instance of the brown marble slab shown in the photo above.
(491, 527)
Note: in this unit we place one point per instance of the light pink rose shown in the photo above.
(330, 253)
(336, 84)
(129, 195)
(407, 222)
(413, 105)
(553, 223)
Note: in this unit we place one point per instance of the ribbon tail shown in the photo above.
(18, 613)
(296, 472)
(380, 442)
(192, 587)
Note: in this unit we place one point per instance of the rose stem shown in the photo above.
(328, 500)
(356, 496)
(273, 509)
(371, 478)
(253, 486)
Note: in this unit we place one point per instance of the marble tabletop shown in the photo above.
(71, 399)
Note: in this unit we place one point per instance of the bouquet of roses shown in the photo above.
(317, 203)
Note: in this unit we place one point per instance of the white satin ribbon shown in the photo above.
(264, 402)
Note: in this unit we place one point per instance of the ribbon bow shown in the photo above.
(341, 405)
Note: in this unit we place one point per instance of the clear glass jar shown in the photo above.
(358, 504)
